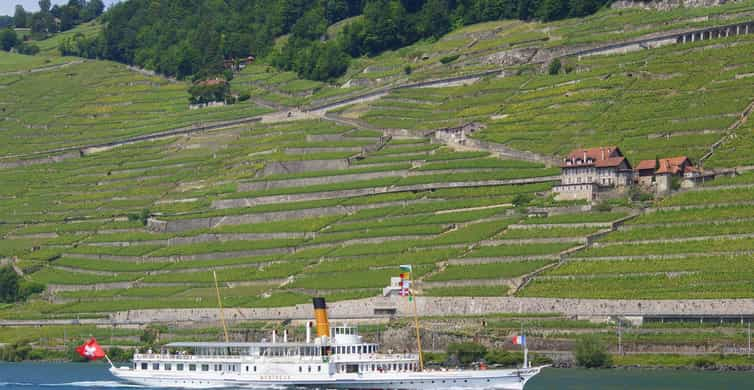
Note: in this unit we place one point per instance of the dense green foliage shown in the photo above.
(57, 18)
(200, 34)
(467, 352)
(591, 352)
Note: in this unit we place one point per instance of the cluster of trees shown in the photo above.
(13, 288)
(186, 38)
(9, 41)
(51, 19)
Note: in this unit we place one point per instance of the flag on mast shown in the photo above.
(406, 267)
(519, 340)
(91, 350)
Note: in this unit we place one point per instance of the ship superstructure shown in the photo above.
(337, 357)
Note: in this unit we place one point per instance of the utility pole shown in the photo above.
(749, 337)
(620, 337)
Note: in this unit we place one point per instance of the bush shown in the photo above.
(449, 59)
(467, 353)
(142, 217)
(16, 352)
(407, 69)
(244, 97)
(704, 363)
(9, 285)
(554, 67)
(119, 354)
(591, 352)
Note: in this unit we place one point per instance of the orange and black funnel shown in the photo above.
(320, 315)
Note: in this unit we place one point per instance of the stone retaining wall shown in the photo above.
(283, 167)
(310, 181)
(502, 259)
(180, 225)
(273, 199)
(452, 306)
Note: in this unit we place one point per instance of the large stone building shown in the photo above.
(587, 173)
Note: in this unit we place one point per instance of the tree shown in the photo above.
(467, 352)
(552, 10)
(591, 352)
(19, 17)
(554, 67)
(44, 6)
(9, 284)
(8, 39)
(434, 20)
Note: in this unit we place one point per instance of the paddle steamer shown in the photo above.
(336, 357)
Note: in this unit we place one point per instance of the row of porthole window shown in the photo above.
(309, 369)
(355, 349)
(191, 367)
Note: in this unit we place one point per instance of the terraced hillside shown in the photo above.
(329, 202)
(675, 100)
(695, 244)
(281, 211)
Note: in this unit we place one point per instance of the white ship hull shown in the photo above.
(482, 379)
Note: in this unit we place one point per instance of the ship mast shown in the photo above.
(416, 321)
(220, 303)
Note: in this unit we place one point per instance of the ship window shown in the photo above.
(192, 367)
(300, 369)
(218, 367)
(155, 366)
(309, 368)
(144, 366)
(205, 367)
(168, 366)
(179, 366)
(255, 368)
(358, 349)
(247, 368)
(319, 368)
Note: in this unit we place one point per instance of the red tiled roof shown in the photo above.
(609, 162)
(667, 165)
(603, 156)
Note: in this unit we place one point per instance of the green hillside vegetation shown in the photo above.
(309, 203)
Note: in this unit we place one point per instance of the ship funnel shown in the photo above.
(320, 315)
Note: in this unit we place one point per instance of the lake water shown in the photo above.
(70, 376)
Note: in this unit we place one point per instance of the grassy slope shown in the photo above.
(67, 222)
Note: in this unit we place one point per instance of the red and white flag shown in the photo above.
(91, 350)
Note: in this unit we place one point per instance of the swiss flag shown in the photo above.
(91, 350)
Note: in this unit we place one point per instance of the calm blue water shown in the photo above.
(60, 376)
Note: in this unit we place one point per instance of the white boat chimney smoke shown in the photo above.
(274, 336)
(285, 335)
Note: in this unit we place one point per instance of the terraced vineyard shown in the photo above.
(330, 203)
(281, 211)
(695, 244)
(673, 100)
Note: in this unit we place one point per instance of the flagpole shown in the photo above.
(109, 361)
(416, 323)
(220, 302)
